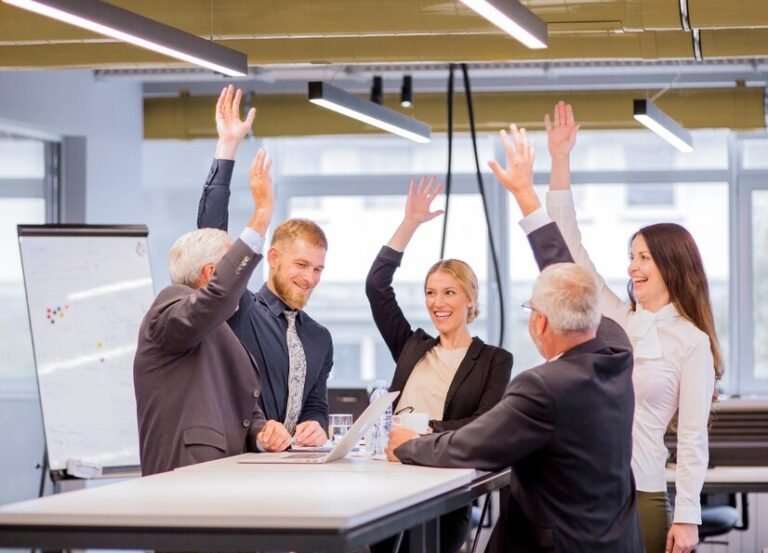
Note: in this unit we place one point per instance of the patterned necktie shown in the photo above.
(297, 372)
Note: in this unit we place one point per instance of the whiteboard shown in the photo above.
(88, 288)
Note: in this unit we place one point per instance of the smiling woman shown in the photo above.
(454, 377)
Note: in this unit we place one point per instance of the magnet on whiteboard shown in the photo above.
(83, 469)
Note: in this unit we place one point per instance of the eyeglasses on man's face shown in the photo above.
(527, 307)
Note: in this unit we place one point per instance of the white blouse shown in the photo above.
(673, 372)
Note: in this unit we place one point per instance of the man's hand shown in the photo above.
(518, 175)
(310, 433)
(397, 437)
(261, 191)
(273, 436)
(682, 538)
(229, 126)
(561, 131)
(420, 199)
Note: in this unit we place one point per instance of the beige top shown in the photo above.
(428, 384)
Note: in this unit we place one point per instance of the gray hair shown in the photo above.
(193, 251)
(569, 296)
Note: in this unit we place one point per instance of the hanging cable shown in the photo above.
(481, 187)
(450, 157)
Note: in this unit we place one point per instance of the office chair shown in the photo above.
(720, 515)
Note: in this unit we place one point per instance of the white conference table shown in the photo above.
(228, 506)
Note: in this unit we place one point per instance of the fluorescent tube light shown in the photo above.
(663, 125)
(335, 99)
(514, 19)
(128, 26)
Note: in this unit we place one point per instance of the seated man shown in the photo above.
(565, 426)
(292, 350)
(197, 388)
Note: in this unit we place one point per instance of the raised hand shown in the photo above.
(416, 212)
(518, 175)
(561, 130)
(420, 199)
(261, 191)
(230, 128)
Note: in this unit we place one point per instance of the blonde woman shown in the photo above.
(453, 377)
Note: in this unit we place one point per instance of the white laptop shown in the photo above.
(341, 449)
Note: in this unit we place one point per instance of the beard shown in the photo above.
(290, 297)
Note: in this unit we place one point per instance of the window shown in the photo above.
(22, 201)
(760, 283)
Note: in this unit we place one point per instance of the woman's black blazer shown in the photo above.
(482, 376)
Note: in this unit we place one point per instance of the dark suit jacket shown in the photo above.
(565, 428)
(261, 326)
(482, 376)
(196, 386)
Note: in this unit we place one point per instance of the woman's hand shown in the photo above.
(682, 538)
(561, 131)
(417, 206)
(417, 211)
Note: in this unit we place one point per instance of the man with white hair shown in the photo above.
(565, 426)
(197, 389)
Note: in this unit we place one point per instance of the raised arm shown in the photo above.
(389, 318)
(184, 322)
(417, 211)
(561, 137)
(213, 210)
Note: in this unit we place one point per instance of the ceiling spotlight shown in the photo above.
(662, 124)
(406, 92)
(377, 90)
(514, 19)
(131, 27)
(335, 99)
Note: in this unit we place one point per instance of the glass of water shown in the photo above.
(338, 426)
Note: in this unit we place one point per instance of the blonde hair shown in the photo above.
(193, 251)
(467, 278)
(293, 229)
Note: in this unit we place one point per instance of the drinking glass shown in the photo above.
(338, 426)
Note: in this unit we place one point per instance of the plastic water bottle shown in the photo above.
(380, 432)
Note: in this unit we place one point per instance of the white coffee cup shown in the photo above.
(418, 422)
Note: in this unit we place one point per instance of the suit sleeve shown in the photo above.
(316, 405)
(498, 380)
(389, 318)
(258, 420)
(213, 210)
(522, 422)
(182, 322)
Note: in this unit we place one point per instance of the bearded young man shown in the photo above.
(293, 352)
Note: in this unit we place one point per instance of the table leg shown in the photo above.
(425, 538)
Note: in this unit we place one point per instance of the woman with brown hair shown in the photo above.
(677, 356)
(453, 377)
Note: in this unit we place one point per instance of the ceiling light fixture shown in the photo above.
(513, 18)
(128, 26)
(406, 92)
(662, 124)
(335, 99)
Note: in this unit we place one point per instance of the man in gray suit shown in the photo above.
(197, 389)
(564, 427)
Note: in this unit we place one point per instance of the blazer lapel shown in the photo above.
(467, 364)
